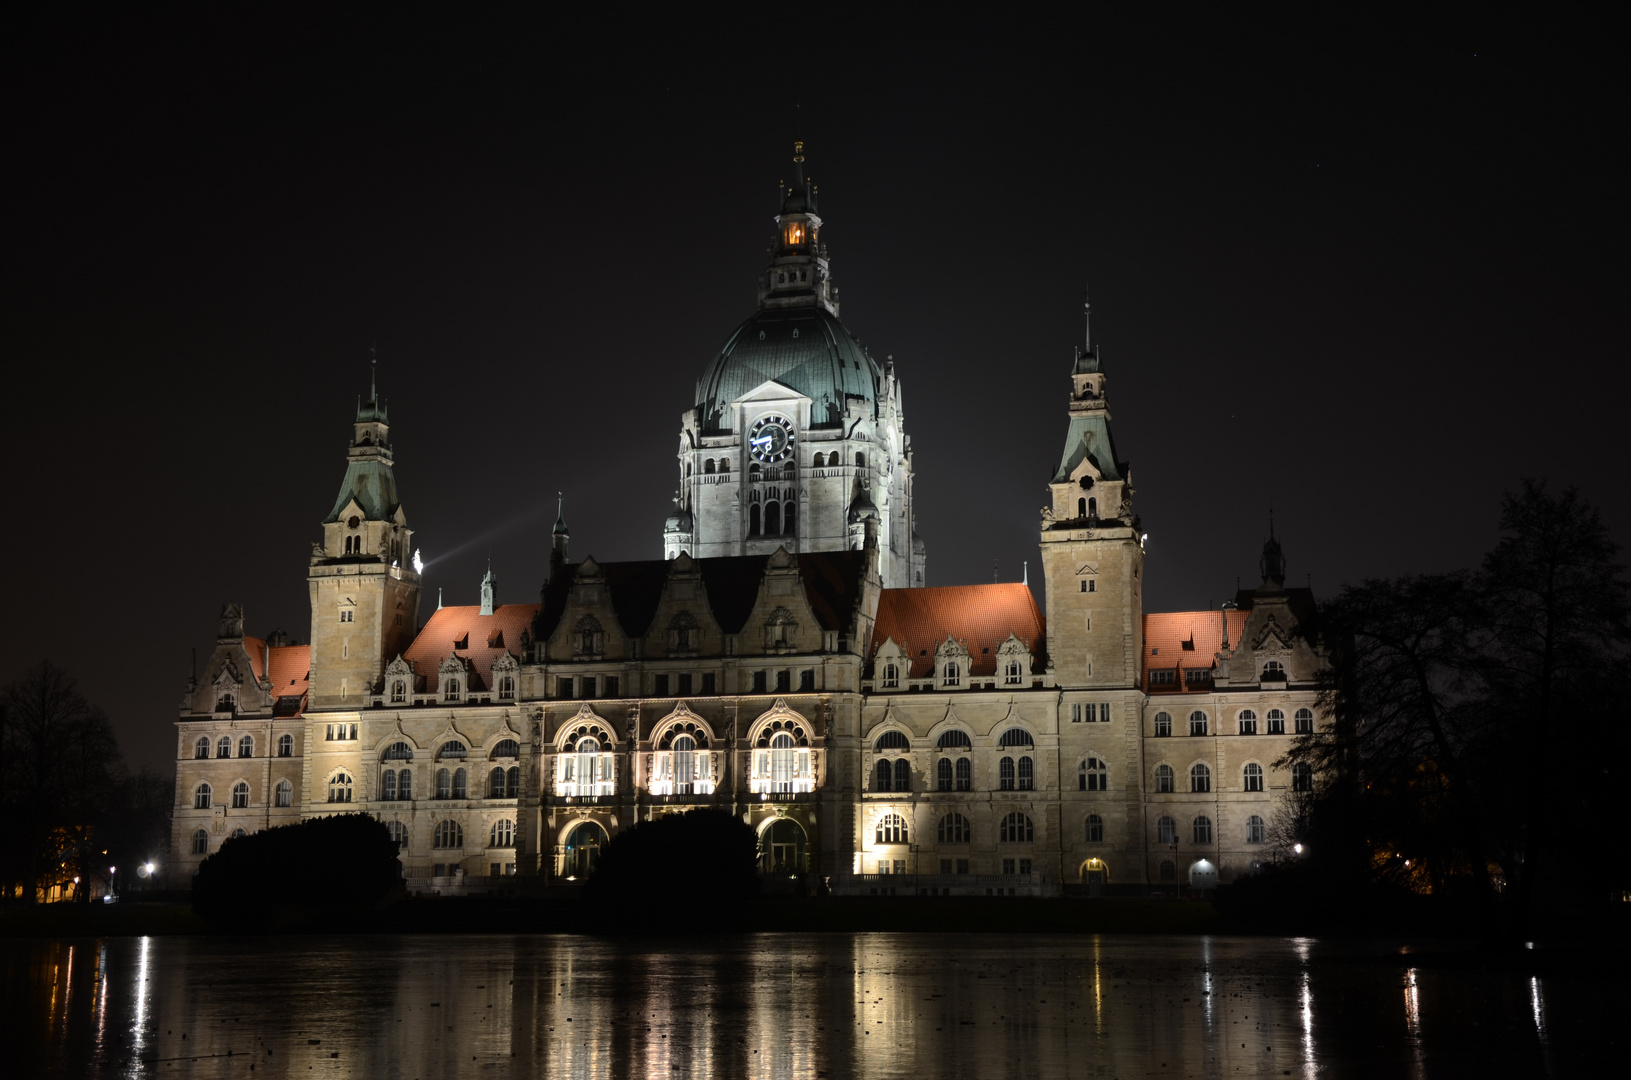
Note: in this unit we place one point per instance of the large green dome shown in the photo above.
(805, 349)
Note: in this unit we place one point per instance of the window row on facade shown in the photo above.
(446, 835)
(223, 746)
(1273, 722)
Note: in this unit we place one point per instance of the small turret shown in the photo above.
(1273, 562)
(489, 585)
(559, 537)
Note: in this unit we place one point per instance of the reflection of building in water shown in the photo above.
(785, 661)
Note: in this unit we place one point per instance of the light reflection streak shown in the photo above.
(1098, 988)
(1306, 1000)
(1538, 1007)
(1412, 1017)
(1209, 990)
(101, 996)
(138, 1023)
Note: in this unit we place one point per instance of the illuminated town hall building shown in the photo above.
(785, 660)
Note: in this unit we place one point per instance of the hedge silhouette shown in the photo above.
(698, 857)
(294, 873)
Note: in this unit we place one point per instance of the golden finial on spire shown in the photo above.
(798, 150)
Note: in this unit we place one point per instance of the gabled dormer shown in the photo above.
(952, 664)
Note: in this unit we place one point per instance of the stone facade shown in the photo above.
(877, 733)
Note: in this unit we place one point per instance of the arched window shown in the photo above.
(239, 833)
(285, 793)
(453, 749)
(588, 639)
(1256, 831)
(1305, 721)
(399, 833)
(1163, 725)
(1092, 508)
(903, 774)
(1027, 774)
(246, 746)
(1016, 829)
(952, 675)
(502, 834)
(725, 466)
(708, 467)
(505, 748)
(201, 797)
(399, 691)
(1197, 723)
(398, 751)
(339, 788)
(965, 774)
(506, 686)
(818, 462)
(1166, 831)
(1015, 737)
(1005, 774)
(1203, 830)
(787, 763)
(860, 460)
(240, 796)
(201, 842)
(444, 783)
(953, 829)
(1200, 778)
(1276, 722)
(892, 740)
(460, 788)
(953, 738)
(1248, 722)
(1091, 775)
(753, 519)
(449, 834)
(1095, 829)
(1302, 777)
(1081, 510)
(773, 518)
(891, 676)
(512, 782)
(886, 776)
(683, 765)
(201, 749)
(404, 785)
(942, 774)
(1252, 775)
(891, 829)
(1164, 778)
(224, 747)
(495, 783)
(788, 513)
(387, 785)
(285, 746)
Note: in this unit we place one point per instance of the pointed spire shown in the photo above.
(438, 598)
(1087, 321)
(488, 587)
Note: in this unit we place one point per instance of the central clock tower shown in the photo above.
(798, 438)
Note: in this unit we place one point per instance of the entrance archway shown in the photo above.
(583, 846)
(1095, 873)
(782, 848)
(1203, 875)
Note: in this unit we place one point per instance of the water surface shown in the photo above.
(784, 1005)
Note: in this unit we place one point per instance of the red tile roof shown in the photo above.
(484, 639)
(981, 616)
(291, 669)
(1187, 639)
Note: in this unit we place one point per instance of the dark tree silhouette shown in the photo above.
(339, 865)
(699, 858)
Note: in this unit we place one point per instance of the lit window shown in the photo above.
(503, 834)
(399, 692)
(891, 829)
(339, 788)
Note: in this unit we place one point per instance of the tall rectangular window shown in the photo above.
(758, 682)
(588, 686)
(1008, 866)
(708, 684)
(784, 681)
(659, 687)
(807, 679)
(612, 688)
(563, 686)
(685, 684)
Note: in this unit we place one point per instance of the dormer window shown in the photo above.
(891, 677)
(399, 692)
(794, 232)
(453, 689)
(951, 675)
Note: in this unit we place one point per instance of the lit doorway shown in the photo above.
(583, 846)
(1096, 875)
(782, 848)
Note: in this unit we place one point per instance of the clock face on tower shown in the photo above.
(771, 439)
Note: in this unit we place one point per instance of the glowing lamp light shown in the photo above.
(1298, 848)
(418, 563)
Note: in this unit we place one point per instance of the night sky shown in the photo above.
(1362, 273)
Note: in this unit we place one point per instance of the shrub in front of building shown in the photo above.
(700, 857)
(299, 874)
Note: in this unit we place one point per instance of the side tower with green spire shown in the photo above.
(1092, 545)
(364, 589)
